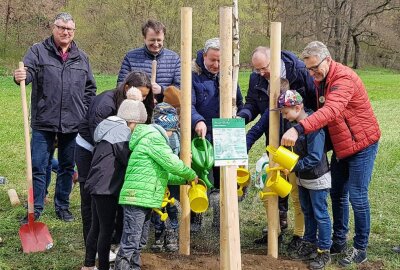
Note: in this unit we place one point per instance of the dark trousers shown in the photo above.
(134, 237)
(42, 146)
(104, 210)
(83, 159)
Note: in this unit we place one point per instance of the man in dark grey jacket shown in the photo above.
(140, 59)
(62, 89)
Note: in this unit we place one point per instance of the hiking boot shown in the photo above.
(294, 244)
(323, 259)
(354, 255)
(306, 251)
(65, 215)
(24, 220)
(171, 240)
(337, 248)
(283, 220)
(396, 249)
(159, 239)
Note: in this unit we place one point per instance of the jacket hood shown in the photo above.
(291, 59)
(113, 130)
(143, 130)
(199, 67)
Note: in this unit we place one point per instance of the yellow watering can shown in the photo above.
(163, 216)
(198, 197)
(243, 180)
(283, 156)
(277, 184)
(166, 200)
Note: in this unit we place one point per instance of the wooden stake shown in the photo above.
(236, 54)
(230, 235)
(273, 213)
(12, 194)
(185, 121)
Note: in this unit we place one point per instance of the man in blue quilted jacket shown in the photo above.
(168, 62)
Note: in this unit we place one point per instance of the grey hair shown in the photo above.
(315, 48)
(212, 43)
(263, 50)
(65, 17)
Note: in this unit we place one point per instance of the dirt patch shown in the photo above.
(153, 261)
(378, 265)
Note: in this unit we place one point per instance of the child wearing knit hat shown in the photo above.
(151, 167)
(106, 176)
(166, 233)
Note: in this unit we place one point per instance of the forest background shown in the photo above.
(357, 32)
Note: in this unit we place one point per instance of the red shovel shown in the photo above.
(35, 236)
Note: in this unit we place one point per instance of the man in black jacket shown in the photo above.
(62, 88)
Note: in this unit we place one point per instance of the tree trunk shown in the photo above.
(349, 34)
(356, 52)
(6, 26)
(236, 53)
(337, 27)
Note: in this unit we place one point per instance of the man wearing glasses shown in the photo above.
(62, 89)
(345, 109)
(257, 103)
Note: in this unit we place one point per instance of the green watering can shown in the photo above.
(202, 159)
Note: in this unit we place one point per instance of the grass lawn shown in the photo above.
(68, 250)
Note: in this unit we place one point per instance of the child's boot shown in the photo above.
(159, 238)
(171, 240)
(323, 259)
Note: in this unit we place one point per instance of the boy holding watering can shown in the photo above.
(314, 182)
(152, 165)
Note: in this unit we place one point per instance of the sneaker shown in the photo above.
(396, 249)
(323, 259)
(112, 256)
(171, 240)
(354, 255)
(159, 238)
(306, 251)
(294, 244)
(24, 220)
(337, 248)
(283, 220)
(65, 215)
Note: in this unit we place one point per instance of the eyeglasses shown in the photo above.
(62, 29)
(315, 68)
(259, 70)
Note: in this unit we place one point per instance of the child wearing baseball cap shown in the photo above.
(314, 182)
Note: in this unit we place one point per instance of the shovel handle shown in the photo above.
(28, 156)
(153, 71)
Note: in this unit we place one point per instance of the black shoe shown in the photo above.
(354, 255)
(306, 251)
(171, 240)
(159, 239)
(396, 249)
(337, 248)
(323, 259)
(294, 244)
(65, 215)
(24, 220)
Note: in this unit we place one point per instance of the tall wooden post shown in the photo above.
(236, 54)
(185, 121)
(230, 235)
(273, 213)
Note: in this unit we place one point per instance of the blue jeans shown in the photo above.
(350, 181)
(42, 145)
(134, 237)
(316, 217)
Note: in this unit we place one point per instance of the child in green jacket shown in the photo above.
(152, 165)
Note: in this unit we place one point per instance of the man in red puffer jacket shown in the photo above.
(344, 108)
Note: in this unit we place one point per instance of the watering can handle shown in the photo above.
(279, 168)
(272, 150)
(205, 149)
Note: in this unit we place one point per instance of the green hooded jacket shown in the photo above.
(152, 165)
